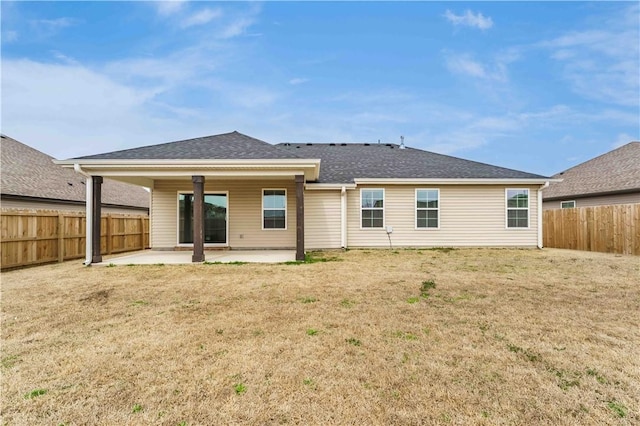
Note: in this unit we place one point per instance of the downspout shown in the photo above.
(343, 217)
(88, 213)
(546, 185)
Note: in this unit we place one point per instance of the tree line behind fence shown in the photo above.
(32, 238)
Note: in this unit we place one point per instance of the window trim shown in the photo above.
(384, 206)
(178, 243)
(568, 201)
(286, 215)
(507, 208)
(416, 209)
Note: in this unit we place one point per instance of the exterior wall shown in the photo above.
(603, 200)
(39, 205)
(322, 219)
(469, 216)
(244, 213)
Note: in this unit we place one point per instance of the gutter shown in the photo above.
(546, 185)
(88, 213)
(343, 217)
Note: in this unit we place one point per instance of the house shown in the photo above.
(611, 178)
(31, 181)
(238, 192)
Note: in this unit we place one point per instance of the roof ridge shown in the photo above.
(605, 154)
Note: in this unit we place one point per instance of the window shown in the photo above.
(517, 208)
(427, 206)
(567, 204)
(274, 209)
(372, 208)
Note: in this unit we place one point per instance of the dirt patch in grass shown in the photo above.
(469, 336)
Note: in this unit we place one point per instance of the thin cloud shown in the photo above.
(201, 17)
(469, 19)
(9, 36)
(170, 7)
(465, 64)
(296, 81)
(236, 28)
(602, 64)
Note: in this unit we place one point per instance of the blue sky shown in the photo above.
(535, 86)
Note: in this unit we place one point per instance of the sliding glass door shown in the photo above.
(215, 219)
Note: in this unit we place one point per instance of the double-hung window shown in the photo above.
(517, 208)
(372, 208)
(274, 209)
(427, 208)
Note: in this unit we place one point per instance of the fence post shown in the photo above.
(142, 233)
(60, 238)
(109, 236)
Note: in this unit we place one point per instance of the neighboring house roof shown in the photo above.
(29, 173)
(232, 145)
(342, 163)
(617, 171)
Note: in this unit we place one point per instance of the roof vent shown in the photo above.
(402, 142)
(367, 144)
(309, 144)
(332, 144)
(343, 144)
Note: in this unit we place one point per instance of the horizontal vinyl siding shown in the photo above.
(322, 219)
(244, 212)
(469, 216)
(603, 200)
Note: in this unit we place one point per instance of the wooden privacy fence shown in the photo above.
(33, 238)
(608, 229)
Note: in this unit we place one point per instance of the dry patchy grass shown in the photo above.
(504, 337)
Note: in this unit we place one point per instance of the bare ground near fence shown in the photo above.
(33, 238)
(441, 336)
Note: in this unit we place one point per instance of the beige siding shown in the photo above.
(322, 219)
(604, 200)
(244, 213)
(469, 216)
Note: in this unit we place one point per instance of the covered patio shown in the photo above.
(155, 257)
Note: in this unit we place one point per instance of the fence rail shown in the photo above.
(33, 238)
(608, 229)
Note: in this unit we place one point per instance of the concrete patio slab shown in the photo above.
(151, 257)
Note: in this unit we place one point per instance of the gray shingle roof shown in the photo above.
(341, 163)
(232, 145)
(617, 170)
(27, 172)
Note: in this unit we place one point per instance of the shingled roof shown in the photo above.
(342, 163)
(610, 173)
(232, 145)
(27, 172)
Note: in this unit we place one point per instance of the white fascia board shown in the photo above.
(171, 168)
(411, 181)
(336, 186)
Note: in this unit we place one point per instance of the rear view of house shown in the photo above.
(238, 192)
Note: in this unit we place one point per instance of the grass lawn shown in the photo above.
(468, 336)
